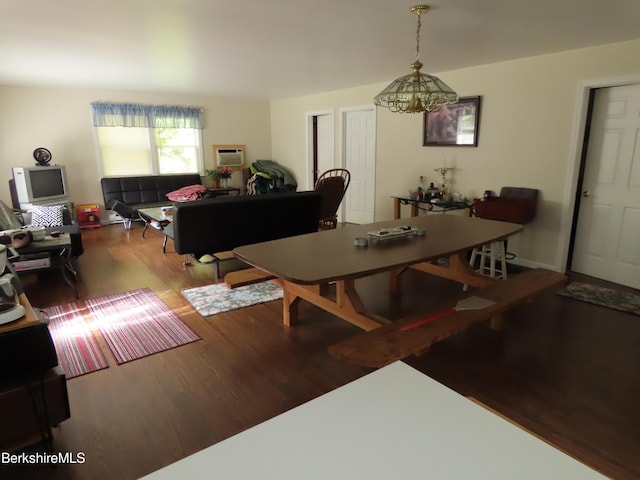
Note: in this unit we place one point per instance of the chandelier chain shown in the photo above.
(418, 37)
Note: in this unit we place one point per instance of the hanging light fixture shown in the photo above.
(416, 92)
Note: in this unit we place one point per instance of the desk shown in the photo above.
(393, 423)
(429, 204)
(59, 250)
(304, 263)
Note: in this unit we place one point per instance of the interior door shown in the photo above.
(607, 235)
(359, 150)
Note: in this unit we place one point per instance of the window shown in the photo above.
(143, 140)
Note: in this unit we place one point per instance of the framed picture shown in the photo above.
(454, 125)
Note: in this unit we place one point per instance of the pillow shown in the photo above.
(47, 216)
(192, 192)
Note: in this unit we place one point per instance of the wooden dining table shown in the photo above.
(304, 265)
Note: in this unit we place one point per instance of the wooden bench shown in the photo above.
(389, 343)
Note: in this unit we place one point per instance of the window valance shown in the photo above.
(146, 116)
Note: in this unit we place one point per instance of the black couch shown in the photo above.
(125, 195)
(221, 224)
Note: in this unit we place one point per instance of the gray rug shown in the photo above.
(606, 297)
(217, 298)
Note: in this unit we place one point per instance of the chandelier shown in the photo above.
(416, 92)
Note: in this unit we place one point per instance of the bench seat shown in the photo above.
(388, 343)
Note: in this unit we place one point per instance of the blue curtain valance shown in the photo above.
(146, 116)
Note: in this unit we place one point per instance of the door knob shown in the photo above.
(586, 193)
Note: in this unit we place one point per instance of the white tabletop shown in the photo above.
(395, 423)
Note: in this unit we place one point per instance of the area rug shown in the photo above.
(137, 324)
(218, 298)
(603, 296)
(78, 350)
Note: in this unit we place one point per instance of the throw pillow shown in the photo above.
(47, 216)
(192, 192)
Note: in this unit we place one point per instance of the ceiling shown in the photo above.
(273, 49)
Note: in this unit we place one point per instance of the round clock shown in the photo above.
(42, 156)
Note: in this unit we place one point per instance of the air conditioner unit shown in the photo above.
(230, 157)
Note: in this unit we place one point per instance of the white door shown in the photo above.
(607, 241)
(359, 153)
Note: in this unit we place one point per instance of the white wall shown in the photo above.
(526, 124)
(60, 119)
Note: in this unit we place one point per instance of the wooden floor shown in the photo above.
(566, 370)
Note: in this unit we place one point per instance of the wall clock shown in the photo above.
(42, 156)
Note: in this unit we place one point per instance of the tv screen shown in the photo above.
(46, 182)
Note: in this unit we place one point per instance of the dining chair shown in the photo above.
(333, 185)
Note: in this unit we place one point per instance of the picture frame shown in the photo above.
(454, 125)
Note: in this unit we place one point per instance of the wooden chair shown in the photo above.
(333, 185)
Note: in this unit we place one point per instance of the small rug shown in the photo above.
(137, 324)
(603, 296)
(78, 350)
(218, 298)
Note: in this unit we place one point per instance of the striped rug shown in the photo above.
(77, 348)
(137, 324)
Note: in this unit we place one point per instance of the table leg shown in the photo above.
(347, 306)
(414, 208)
(70, 276)
(290, 303)
(396, 208)
(394, 279)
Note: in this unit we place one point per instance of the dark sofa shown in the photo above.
(125, 195)
(221, 224)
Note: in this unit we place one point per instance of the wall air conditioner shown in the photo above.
(229, 157)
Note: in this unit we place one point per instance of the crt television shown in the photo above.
(41, 184)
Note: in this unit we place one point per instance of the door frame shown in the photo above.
(309, 139)
(574, 168)
(343, 151)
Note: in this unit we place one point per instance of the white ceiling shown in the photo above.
(284, 48)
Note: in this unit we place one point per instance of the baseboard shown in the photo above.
(523, 262)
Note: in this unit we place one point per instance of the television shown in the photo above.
(44, 184)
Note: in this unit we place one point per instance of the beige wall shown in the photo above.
(526, 124)
(60, 119)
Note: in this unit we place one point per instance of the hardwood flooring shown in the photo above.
(565, 370)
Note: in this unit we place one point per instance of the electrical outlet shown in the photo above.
(421, 179)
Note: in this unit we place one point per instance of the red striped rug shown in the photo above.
(137, 324)
(77, 348)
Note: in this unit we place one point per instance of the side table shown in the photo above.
(214, 192)
(429, 204)
(59, 250)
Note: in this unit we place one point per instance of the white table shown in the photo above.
(395, 423)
